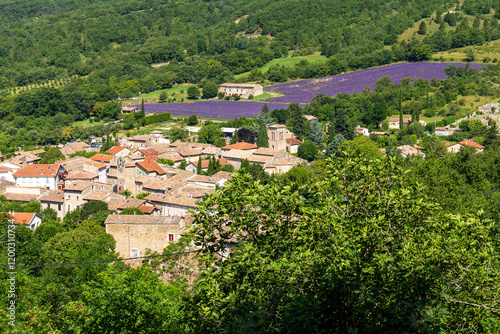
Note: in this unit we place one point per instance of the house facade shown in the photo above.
(243, 90)
(47, 176)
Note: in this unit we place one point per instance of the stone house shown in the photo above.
(175, 203)
(362, 131)
(241, 89)
(236, 157)
(192, 167)
(119, 151)
(102, 158)
(293, 145)
(74, 194)
(96, 168)
(73, 176)
(134, 235)
(53, 200)
(150, 168)
(455, 148)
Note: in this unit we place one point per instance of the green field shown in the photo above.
(287, 62)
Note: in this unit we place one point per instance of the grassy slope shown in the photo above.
(288, 62)
(488, 50)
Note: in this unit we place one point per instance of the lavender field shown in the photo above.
(212, 109)
(304, 91)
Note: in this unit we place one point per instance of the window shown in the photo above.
(48, 205)
(134, 252)
(46, 180)
(170, 237)
(58, 207)
(77, 198)
(281, 135)
(69, 208)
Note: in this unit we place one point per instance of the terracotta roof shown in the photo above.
(115, 149)
(78, 185)
(53, 196)
(266, 151)
(143, 178)
(147, 209)
(241, 85)
(19, 197)
(293, 141)
(102, 157)
(409, 150)
(151, 166)
(81, 175)
(4, 169)
(240, 146)
(131, 203)
(277, 126)
(468, 142)
(441, 128)
(95, 164)
(174, 157)
(97, 196)
(40, 151)
(237, 154)
(22, 218)
(42, 170)
(139, 219)
(181, 199)
(187, 151)
(161, 147)
(140, 138)
(259, 158)
(148, 151)
(204, 163)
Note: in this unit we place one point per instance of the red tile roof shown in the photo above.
(102, 158)
(293, 141)
(151, 166)
(115, 149)
(468, 142)
(22, 218)
(146, 208)
(42, 170)
(148, 151)
(240, 146)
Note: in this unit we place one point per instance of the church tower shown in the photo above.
(277, 138)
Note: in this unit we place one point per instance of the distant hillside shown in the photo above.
(119, 40)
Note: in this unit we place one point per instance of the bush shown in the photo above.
(192, 120)
(307, 150)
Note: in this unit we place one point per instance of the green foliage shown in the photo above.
(52, 155)
(193, 92)
(178, 134)
(210, 89)
(307, 150)
(360, 147)
(131, 211)
(263, 140)
(381, 255)
(422, 28)
(192, 120)
(168, 162)
(333, 147)
(316, 134)
(297, 122)
(209, 133)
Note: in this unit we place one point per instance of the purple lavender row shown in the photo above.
(213, 109)
(355, 82)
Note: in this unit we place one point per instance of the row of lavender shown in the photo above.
(213, 109)
(355, 82)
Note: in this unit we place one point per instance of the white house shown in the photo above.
(39, 176)
(30, 220)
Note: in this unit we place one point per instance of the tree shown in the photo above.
(434, 147)
(163, 97)
(234, 138)
(333, 147)
(316, 134)
(131, 211)
(220, 142)
(246, 135)
(209, 133)
(199, 169)
(298, 123)
(263, 140)
(470, 55)
(422, 28)
(438, 18)
(307, 150)
(178, 134)
(193, 93)
(52, 155)
(401, 121)
(340, 125)
(361, 147)
(265, 116)
(352, 245)
(192, 120)
(210, 89)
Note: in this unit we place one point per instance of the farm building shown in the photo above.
(243, 90)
